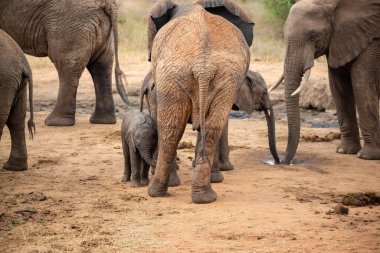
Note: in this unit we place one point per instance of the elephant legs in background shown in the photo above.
(16, 123)
(367, 94)
(224, 153)
(101, 73)
(342, 92)
(65, 106)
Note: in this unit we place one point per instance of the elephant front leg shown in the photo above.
(127, 162)
(342, 92)
(144, 173)
(366, 88)
(101, 73)
(224, 153)
(64, 110)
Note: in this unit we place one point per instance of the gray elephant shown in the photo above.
(139, 140)
(15, 75)
(348, 33)
(200, 56)
(74, 34)
(252, 96)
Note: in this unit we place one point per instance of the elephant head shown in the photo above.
(253, 96)
(339, 29)
(165, 10)
(143, 138)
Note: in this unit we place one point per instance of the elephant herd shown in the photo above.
(200, 58)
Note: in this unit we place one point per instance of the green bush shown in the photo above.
(279, 9)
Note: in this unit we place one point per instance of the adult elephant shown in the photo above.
(199, 61)
(252, 96)
(74, 35)
(348, 33)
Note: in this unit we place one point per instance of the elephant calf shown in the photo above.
(139, 139)
(15, 74)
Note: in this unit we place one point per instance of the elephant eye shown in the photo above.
(313, 35)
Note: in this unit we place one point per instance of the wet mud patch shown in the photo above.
(325, 138)
(361, 199)
(185, 145)
(132, 197)
(45, 162)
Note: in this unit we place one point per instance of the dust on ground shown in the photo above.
(72, 197)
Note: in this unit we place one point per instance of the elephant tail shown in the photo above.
(31, 126)
(110, 8)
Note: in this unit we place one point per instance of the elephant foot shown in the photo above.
(369, 152)
(97, 118)
(16, 164)
(125, 178)
(203, 195)
(174, 180)
(348, 147)
(225, 166)
(216, 177)
(55, 119)
(156, 189)
(135, 183)
(144, 181)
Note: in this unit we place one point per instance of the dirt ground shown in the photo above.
(72, 198)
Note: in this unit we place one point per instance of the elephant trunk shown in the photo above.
(294, 66)
(269, 115)
(147, 156)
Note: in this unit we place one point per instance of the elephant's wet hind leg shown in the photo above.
(16, 123)
(216, 175)
(64, 110)
(101, 73)
(342, 92)
(173, 113)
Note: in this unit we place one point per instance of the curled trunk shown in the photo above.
(147, 156)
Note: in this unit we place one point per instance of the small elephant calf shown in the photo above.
(139, 139)
(15, 74)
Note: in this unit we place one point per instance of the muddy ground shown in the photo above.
(72, 198)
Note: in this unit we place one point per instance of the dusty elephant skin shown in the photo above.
(348, 33)
(199, 79)
(252, 96)
(139, 140)
(15, 75)
(75, 35)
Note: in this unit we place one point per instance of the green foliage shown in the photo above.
(279, 9)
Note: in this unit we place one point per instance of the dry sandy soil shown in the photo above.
(72, 197)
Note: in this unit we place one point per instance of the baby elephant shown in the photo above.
(139, 139)
(15, 74)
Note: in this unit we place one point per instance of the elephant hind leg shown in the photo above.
(173, 112)
(342, 92)
(16, 123)
(101, 73)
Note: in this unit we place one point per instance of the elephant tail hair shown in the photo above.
(110, 9)
(31, 126)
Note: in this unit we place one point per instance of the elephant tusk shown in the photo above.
(305, 79)
(277, 84)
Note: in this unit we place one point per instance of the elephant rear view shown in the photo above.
(15, 75)
(200, 57)
(74, 34)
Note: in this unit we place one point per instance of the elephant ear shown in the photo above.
(233, 13)
(160, 14)
(356, 25)
(138, 121)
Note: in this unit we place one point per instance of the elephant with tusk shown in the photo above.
(348, 33)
